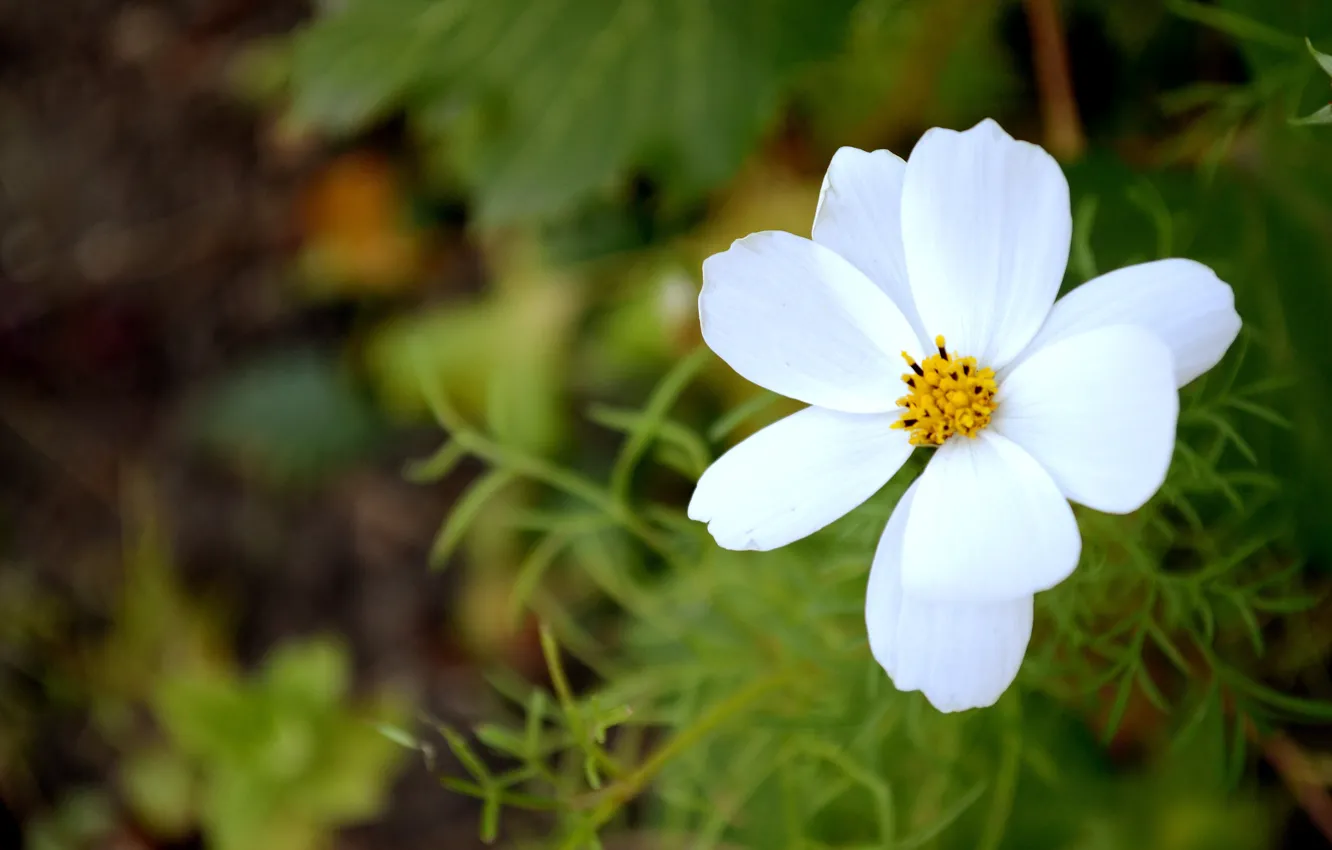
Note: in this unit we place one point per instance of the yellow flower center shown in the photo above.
(948, 395)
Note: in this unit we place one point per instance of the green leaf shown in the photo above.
(465, 755)
(400, 736)
(1324, 60)
(503, 357)
(351, 70)
(294, 415)
(669, 431)
(539, 105)
(1322, 116)
(466, 511)
(315, 672)
(206, 717)
(352, 775)
(751, 406)
(1267, 33)
(83, 818)
(437, 466)
(159, 786)
(1233, 20)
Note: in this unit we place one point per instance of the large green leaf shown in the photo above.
(543, 103)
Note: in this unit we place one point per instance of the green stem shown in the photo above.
(662, 399)
(577, 728)
(1005, 784)
(610, 800)
(508, 798)
(538, 469)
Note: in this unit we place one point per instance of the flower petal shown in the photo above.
(987, 525)
(986, 228)
(796, 476)
(797, 318)
(860, 217)
(1098, 411)
(1184, 303)
(961, 655)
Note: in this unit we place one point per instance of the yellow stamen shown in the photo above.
(947, 395)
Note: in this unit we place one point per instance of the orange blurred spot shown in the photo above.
(358, 234)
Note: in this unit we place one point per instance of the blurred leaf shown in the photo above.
(159, 631)
(1324, 60)
(1197, 754)
(312, 671)
(464, 512)
(206, 717)
(652, 319)
(350, 780)
(260, 70)
(349, 70)
(543, 104)
(159, 785)
(503, 358)
(1322, 116)
(1240, 19)
(82, 820)
(282, 758)
(293, 416)
(455, 344)
(1268, 34)
(941, 63)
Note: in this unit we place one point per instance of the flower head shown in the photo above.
(951, 260)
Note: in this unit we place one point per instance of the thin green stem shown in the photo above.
(1005, 784)
(577, 725)
(508, 798)
(613, 798)
(752, 406)
(662, 399)
(539, 469)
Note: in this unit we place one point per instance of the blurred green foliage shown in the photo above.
(275, 760)
(279, 760)
(83, 818)
(1184, 639)
(288, 418)
(603, 148)
(537, 105)
(1324, 115)
(503, 357)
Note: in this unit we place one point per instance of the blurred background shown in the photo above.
(246, 601)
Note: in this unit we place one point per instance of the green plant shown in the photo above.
(278, 760)
(536, 108)
(734, 701)
(757, 661)
(1324, 115)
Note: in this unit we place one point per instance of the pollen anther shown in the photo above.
(952, 396)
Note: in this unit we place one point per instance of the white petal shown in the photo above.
(860, 217)
(1098, 411)
(797, 318)
(1184, 303)
(961, 655)
(987, 524)
(796, 476)
(986, 229)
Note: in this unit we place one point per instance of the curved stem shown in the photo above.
(613, 798)
(539, 469)
(663, 397)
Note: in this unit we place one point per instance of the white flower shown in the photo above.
(1033, 404)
